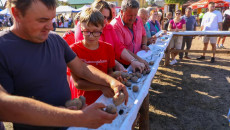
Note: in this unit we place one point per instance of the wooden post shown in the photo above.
(167, 55)
(144, 114)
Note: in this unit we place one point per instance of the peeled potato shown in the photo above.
(116, 74)
(135, 88)
(151, 63)
(134, 79)
(111, 109)
(119, 100)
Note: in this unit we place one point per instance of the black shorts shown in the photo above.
(226, 25)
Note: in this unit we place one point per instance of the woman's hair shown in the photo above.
(92, 16)
(152, 12)
(178, 11)
(100, 5)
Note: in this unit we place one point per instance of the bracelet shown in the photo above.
(134, 59)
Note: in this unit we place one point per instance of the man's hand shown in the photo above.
(137, 65)
(107, 91)
(117, 87)
(93, 116)
(119, 67)
(144, 62)
(144, 47)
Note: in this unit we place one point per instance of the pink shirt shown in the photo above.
(178, 25)
(108, 35)
(130, 41)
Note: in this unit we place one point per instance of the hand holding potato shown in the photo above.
(117, 87)
(93, 116)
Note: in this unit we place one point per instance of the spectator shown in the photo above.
(113, 9)
(62, 20)
(190, 26)
(129, 27)
(144, 15)
(109, 35)
(97, 53)
(176, 25)
(34, 112)
(226, 25)
(54, 24)
(212, 21)
(160, 19)
(153, 24)
(169, 18)
(201, 15)
(39, 71)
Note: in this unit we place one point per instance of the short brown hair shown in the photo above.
(23, 5)
(92, 16)
(211, 3)
(100, 5)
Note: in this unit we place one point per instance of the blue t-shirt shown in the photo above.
(190, 22)
(36, 70)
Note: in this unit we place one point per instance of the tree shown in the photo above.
(176, 1)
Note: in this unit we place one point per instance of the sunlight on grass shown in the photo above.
(206, 94)
(228, 79)
(159, 112)
(200, 76)
(157, 92)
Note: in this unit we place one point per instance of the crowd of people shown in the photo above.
(45, 70)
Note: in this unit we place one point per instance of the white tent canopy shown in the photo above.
(65, 9)
(5, 12)
(83, 8)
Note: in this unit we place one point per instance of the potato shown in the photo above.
(116, 74)
(124, 74)
(120, 99)
(129, 77)
(135, 88)
(82, 98)
(151, 63)
(138, 74)
(75, 102)
(144, 72)
(128, 84)
(134, 79)
(111, 109)
(148, 71)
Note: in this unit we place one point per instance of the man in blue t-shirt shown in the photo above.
(190, 26)
(33, 61)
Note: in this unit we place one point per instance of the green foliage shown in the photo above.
(175, 1)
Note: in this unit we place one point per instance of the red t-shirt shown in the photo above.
(102, 58)
(69, 37)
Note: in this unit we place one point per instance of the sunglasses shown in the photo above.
(177, 13)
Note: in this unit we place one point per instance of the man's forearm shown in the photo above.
(89, 73)
(29, 111)
(144, 40)
(125, 55)
(86, 85)
(220, 26)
